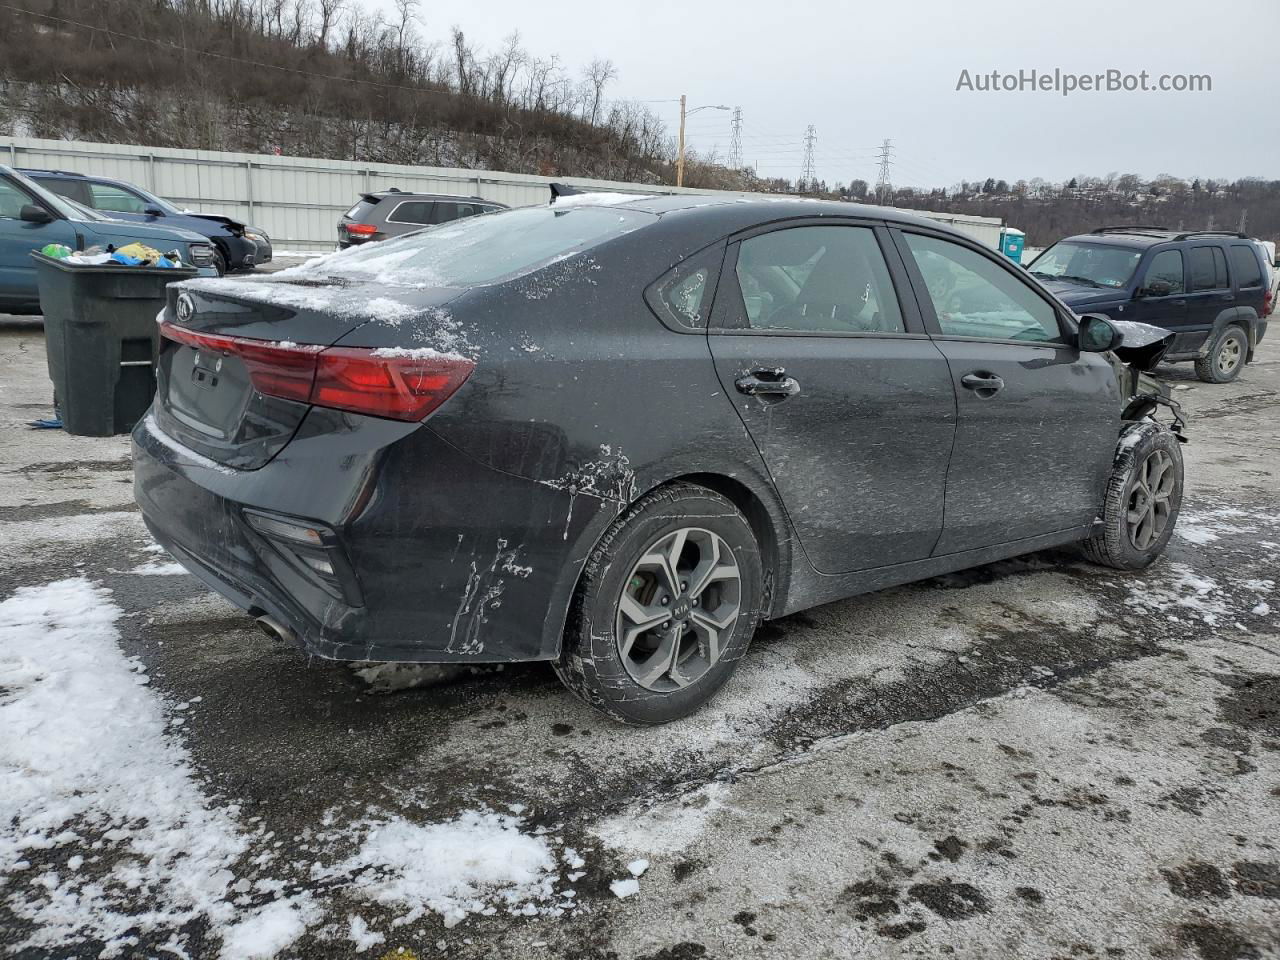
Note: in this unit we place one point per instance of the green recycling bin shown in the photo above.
(101, 340)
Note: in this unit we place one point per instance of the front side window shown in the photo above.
(12, 200)
(1166, 266)
(817, 280)
(1245, 265)
(1087, 264)
(974, 297)
(114, 199)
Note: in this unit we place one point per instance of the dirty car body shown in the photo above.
(575, 360)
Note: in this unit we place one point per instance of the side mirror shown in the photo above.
(153, 212)
(1158, 288)
(34, 214)
(1097, 334)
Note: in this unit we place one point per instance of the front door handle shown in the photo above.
(982, 383)
(1177, 303)
(768, 382)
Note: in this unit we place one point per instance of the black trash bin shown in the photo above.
(101, 340)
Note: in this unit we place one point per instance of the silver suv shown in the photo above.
(392, 212)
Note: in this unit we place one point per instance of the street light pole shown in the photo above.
(683, 114)
(680, 158)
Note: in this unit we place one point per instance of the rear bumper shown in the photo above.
(464, 567)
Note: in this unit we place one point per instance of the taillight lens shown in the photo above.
(362, 229)
(1268, 303)
(392, 383)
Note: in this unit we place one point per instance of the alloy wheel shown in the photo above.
(1150, 500)
(678, 609)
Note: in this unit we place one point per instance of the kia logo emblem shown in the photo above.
(186, 307)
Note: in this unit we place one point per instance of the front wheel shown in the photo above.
(667, 605)
(1143, 498)
(219, 262)
(1226, 358)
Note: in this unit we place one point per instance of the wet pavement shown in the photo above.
(1037, 758)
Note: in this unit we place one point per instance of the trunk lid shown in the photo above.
(206, 398)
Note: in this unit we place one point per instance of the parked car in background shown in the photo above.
(393, 213)
(617, 436)
(31, 217)
(1211, 288)
(237, 246)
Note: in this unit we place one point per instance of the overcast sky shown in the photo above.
(861, 72)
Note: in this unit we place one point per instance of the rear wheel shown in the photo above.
(667, 605)
(1226, 358)
(1143, 497)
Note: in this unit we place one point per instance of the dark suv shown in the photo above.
(237, 246)
(1208, 287)
(393, 212)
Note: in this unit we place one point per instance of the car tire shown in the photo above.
(1143, 499)
(219, 262)
(709, 538)
(1226, 358)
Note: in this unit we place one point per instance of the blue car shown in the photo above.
(31, 217)
(236, 246)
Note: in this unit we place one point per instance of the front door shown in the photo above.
(845, 396)
(18, 238)
(1038, 419)
(1161, 309)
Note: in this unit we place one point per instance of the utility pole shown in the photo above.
(680, 158)
(807, 174)
(735, 142)
(886, 159)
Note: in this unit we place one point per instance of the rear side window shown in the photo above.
(682, 296)
(973, 297)
(71, 189)
(1166, 266)
(483, 249)
(817, 280)
(1208, 269)
(1245, 265)
(411, 211)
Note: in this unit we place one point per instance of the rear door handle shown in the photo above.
(1177, 303)
(982, 383)
(768, 382)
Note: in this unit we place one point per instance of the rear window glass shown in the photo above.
(360, 210)
(483, 249)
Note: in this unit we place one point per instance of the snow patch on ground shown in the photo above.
(477, 863)
(85, 766)
(270, 929)
(1181, 591)
(664, 829)
(157, 568)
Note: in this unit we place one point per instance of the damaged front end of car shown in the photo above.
(1142, 347)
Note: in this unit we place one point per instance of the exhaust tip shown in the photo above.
(274, 629)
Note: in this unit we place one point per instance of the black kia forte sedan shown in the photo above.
(616, 436)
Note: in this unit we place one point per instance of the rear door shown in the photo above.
(409, 215)
(843, 393)
(1038, 419)
(1208, 292)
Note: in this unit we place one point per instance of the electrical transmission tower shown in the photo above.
(882, 182)
(807, 175)
(735, 143)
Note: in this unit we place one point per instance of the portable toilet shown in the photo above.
(1011, 242)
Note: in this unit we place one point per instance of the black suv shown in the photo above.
(393, 212)
(1208, 287)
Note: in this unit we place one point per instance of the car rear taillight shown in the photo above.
(1268, 303)
(362, 229)
(392, 383)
